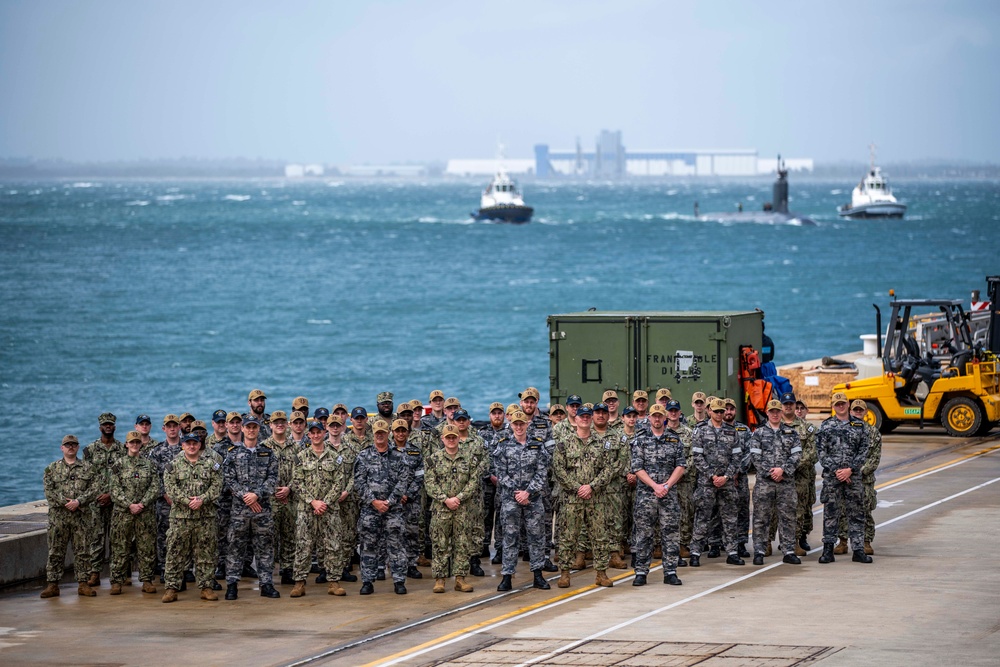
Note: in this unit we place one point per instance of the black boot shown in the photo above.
(216, 586)
(220, 572)
(549, 566)
(540, 581)
(267, 591)
(758, 559)
(803, 544)
(861, 557)
(321, 578)
(286, 577)
(671, 579)
(380, 575)
(485, 553)
(733, 559)
(827, 556)
(189, 576)
(680, 563)
(695, 560)
(640, 580)
(367, 588)
(475, 569)
(791, 559)
(413, 573)
(248, 571)
(505, 584)
(497, 557)
(714, 551)
(741, 550)
(399, 588)
(231, 592)
(347, 576)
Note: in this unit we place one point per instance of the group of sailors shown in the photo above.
(413, 487)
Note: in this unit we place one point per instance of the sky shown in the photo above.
(352, 82)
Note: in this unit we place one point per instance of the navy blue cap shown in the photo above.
(218, 416)
(461, 413)
(190, 436)
(788, 397)
(358, 412)
(628, 411)
(321, 412)
(599, 406)
(316, 424)
(144, 418)
(673, 405)
(574, 400)
(251, 420)
(584, 410)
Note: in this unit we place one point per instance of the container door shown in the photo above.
(684, 356)
(589, 356)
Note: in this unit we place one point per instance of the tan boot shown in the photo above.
(684, 551)
(335, 589)
(563, 579)
(799, 551)
(439, 585)
(657, 553)
(85, 590)
(589, 555)
(116, 589)
(298, 590)
(128, 582)
(461, 586)
(868, 549)
(94, 579)
(209, 594)
(170, 595)
(423, 561)
(580, 562)
(51, 590)
(841, 548)
(602, 579)
(148, 587)
(767, 549)
(616, 562)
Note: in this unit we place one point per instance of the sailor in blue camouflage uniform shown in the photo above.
(382, 478)
(496, 430)
(539, 426)
(716, 451)
(222, 447)
(411, 497)
(775, 451)
(742, 479)
(843, 444)
(520, 466)
(251, 475)
(658, 461)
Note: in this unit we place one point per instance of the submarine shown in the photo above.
(774, 212)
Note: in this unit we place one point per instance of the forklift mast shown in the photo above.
(993, 291)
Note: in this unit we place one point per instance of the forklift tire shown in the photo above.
(877, 419)
(962, 417)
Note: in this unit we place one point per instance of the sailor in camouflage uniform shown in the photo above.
(520, 466)
(742, 478)
(717, 454)
(101, 455)
(193, 483)
(619, 494)
(69, 490)
(256, 401)
(381, 479)
(232, 441)
(805, 476)
(584, 464)
(870, 497)
(345, 538)
(775, 452)
(496, 430)
(658, 461)
(452, 482)
(358, 437)
(251, 474)
(411, 498)
(843, 447)
(161, 455)
(143, 424)
(285, 507)
(135, 486)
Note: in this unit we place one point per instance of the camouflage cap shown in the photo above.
(717, 404)
(300, 402)
(530, 392)
(639, 394)
(339, 406)
(451, 401)
(296, 416)
(335, 419)
(839, 397)
(70, 440)
(496, 405)
(609, 395)
(384, 397)
(187, 415)
(107, 418)
(556, 407)
(663, 392)
(698, 396)
(231, 417)
(197, 423)
(732, 401)
(133, 436)
(437, 393)
(858, 403)
(658, 409)
(177, 420)
(380, 426)
(400, 423)
(450, 429)
(773, 404)
(278, 414)
(316, 424)
(256, 393)
(518, 416)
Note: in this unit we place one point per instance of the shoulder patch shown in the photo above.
(215, 466)
(810, 429)
(263, 453)
(742, 428)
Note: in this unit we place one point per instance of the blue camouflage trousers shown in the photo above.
(841, 499)
(257, 531)
(532, 517)
(654, 516)
(382, 537)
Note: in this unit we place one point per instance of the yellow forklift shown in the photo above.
(955, 383)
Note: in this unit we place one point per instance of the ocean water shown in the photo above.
(172, 296)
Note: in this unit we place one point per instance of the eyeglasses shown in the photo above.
(719, 412)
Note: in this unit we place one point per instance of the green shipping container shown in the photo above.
(683, 351)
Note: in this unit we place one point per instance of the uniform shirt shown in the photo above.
(134, 480)
(451, 477)
(318, 477)
(381, 475)
(577, 462)
(807, 437)
(183, 480)
(351, 439)
(521, 467)
(619, 483)
(63, 482)
(874, 456)
(161, 456)
(251, 471)
(265, 425)
(429, 421)
(101, 458)
(415, 462)
(287, 454)
(775, 448)
(716, 451)
(842, 444)
(491, 436)
(658, 455)
(344, 457)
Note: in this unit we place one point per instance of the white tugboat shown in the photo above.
(872, 197)
(502, 201)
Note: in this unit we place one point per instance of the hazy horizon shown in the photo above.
(399, 82)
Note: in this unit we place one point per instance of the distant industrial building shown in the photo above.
(366, 170)
(301, 170)
(610, 159)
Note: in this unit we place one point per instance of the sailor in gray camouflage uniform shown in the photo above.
(775, 452)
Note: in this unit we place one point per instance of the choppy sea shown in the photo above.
(171, 296)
